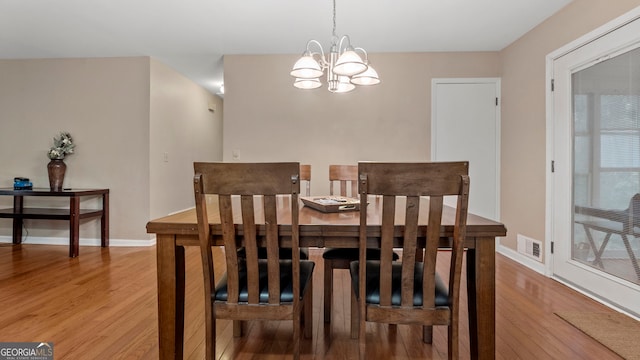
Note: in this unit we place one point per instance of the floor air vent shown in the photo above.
(530, 247)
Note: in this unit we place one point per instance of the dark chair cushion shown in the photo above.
(373, 284)
(352, 254)
(285, 253)
(286, 285)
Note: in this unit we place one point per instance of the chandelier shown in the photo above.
(345, 68)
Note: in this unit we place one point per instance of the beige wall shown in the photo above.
(524, 163)
(267, 119)
(183, 128)
(111, 107)
(103, 103)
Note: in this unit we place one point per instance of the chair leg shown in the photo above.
(362, 338)
(308, 311)
(237, 328)
(427, 334)
(296, 335)
(210, 341)
(355, 318)
(328, 289)
(453, 348)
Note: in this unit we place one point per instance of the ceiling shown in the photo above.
(191, 36)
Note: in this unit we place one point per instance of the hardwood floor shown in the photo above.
(103, 305)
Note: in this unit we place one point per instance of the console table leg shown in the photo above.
(74, 226)
(17, 221)
(104, 221)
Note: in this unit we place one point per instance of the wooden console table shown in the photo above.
(73, 214)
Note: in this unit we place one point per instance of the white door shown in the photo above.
(465, 125)
(595, 148)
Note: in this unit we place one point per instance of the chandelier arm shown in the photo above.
(366, 55)
(322, 60)
(343, 38)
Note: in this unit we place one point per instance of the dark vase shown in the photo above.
(56, 169)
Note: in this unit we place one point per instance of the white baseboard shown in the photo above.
(522, 259)
(83, 241)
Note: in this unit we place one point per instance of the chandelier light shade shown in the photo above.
(306, 68)
(344, 67)
(349, 64)
(307, 84)
(342, 85)
(369, 77)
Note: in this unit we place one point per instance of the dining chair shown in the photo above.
(410, 291)
(305, 178)
(345, 177)
(253, 288)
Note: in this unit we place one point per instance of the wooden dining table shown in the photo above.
(318, 229)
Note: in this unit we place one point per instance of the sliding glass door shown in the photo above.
(596, 183)
(606, 167)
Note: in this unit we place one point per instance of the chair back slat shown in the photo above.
(459, 234)
(251, 249)
(204, 236)
(436, 204)
(273, 260)
(229, 229)
(409, 246)
(386, 246)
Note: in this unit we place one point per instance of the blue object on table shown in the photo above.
(20, 183)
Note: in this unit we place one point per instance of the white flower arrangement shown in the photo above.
(62, 146)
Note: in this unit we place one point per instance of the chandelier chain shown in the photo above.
(334, 19)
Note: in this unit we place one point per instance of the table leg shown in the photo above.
(481, 289)
(74, 226)
(17, 221)
(171, 286)
(104, 221)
